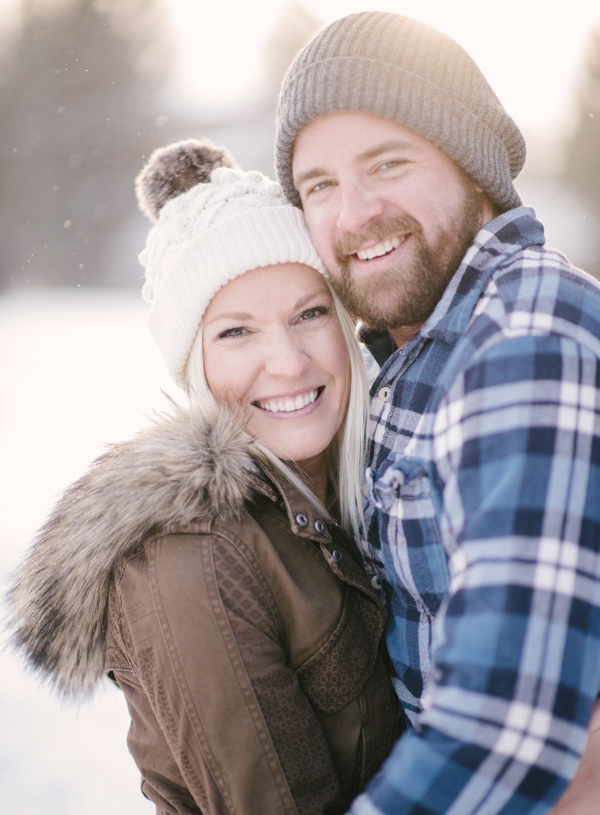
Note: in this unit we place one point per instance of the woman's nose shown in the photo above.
(358, 208)
(286, 359)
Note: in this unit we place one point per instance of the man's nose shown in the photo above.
(359, 207)
(286, 358)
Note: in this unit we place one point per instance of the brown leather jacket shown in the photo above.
(237, 622)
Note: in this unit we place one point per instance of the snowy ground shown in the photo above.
(77, 369)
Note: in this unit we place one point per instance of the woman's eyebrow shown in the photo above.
(242, 316)
(230, 315)
(308, 297)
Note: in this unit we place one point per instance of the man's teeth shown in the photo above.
(287, 405)
(381, 249)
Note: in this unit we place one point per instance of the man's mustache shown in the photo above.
(349, 243)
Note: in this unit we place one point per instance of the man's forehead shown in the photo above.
(356, 137)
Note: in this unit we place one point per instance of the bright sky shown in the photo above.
(529, 50)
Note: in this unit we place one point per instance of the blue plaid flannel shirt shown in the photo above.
(483, 528)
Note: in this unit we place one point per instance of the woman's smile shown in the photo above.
(290, 403)
(273, 344)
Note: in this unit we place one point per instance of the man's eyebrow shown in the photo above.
(308, 174)
(384, 147)
(371, 153)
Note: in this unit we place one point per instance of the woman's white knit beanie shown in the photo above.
(205, 237)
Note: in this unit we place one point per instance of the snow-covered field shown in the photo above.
(77, 369)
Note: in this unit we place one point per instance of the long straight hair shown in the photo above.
(346, 468)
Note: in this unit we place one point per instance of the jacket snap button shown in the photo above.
(336, 555)
(301, 519)
(384, 394)
(375, 582)
(320, 527)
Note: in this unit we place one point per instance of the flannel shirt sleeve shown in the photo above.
(516, 655)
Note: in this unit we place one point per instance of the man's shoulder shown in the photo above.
(540, 288)
(531, 266)
(512, 258)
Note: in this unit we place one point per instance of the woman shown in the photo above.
(200, 565)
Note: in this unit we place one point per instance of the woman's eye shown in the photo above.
(311, 313)
(232, 332)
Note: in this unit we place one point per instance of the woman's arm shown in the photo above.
(208, 653)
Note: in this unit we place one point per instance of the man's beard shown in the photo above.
(407, 294)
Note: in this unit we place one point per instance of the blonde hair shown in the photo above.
(346, 470)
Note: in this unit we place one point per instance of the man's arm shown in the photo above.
(516, 669)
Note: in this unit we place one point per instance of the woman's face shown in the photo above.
(272, 343)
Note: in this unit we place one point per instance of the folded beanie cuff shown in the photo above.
(253, 238)
(359, 84)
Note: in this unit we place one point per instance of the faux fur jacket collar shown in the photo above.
(189, 465)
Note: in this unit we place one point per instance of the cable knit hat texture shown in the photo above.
(399, 68)
(207, 235)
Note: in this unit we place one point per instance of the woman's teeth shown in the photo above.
(381, 249)
(287, 405)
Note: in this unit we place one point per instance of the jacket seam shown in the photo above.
(213, 593)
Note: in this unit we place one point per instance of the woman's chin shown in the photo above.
(293, 444)
(298, 453)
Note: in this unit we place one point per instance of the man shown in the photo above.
(483, 511)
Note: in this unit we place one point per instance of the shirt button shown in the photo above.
(384, 394)
(376, 582)
(301, 519)
(336, 555)
(319, 526)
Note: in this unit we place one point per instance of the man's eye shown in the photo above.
(322, 185)
(232, 332)
(389, 165)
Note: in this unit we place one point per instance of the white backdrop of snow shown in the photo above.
(78, 369)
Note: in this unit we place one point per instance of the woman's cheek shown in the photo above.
(233, 375)
(216, 372)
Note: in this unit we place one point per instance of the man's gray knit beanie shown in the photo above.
(399, 68)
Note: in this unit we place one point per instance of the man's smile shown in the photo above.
(383, 248)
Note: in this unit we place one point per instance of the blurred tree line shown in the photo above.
(582, 165)
(78, 110)
(81, 97)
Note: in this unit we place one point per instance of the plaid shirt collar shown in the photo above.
(494, 243)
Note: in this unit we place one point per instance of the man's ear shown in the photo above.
(489, 210)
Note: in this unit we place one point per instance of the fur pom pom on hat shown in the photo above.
(175, 169)
(208, 231)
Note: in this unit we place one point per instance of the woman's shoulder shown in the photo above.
(190, 465)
